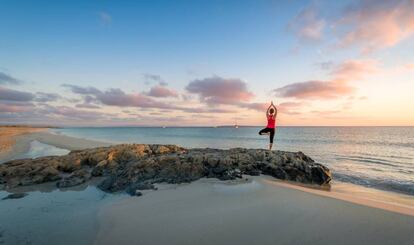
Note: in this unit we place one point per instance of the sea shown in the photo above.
(376, 157)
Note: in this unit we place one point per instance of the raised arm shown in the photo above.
(274, 107)
(267, 111)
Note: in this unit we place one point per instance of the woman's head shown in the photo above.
(271, 111)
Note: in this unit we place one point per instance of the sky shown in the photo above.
(207, 63)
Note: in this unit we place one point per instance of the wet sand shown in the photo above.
(8, 137)
(258, 212)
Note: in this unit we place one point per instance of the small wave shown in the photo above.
(370, 160)
(405, 187)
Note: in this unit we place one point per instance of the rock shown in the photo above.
(15, 196)
(134, 193)
(76, 178)
(107, 183)
(134, 189)
(135, 167)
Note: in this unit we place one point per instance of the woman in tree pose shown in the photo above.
(271, 123)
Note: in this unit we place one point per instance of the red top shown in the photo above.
(271, 122)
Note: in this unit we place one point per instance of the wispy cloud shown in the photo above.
(353, 70)
(46, 97)
(106, 18)
(308, 25)
(7, 79)
(151, 78)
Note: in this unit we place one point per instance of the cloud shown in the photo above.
(14, 107)
(307, 25)
(117, 97)
(327, 65)
(150, 78)
(82, 90)
(254, 106)
(46, 97)
(14, 95)
(216, 90)
(106, 19)
(160, 91)
(367, 24)
(352, 70)
(7, 79)
(291, 104)
(72, 113)
(206, 110)
(87, 106)
(314, 90)
(337, 86)
(285, 107)
(372, 24)
(410, 66)
(325, 113)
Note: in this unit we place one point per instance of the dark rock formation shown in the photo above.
(15, 196)
(134, 167)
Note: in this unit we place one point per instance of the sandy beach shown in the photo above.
(8, 136)
(15, 141)
(257, 212)
(253, 210)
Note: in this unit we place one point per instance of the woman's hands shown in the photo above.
(268, 109)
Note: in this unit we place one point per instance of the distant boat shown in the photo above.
(163, 126)
(235, 125)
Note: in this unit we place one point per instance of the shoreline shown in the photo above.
(371, 197)
(9, 137)
(21, 142)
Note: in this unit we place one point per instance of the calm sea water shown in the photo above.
(379, 157)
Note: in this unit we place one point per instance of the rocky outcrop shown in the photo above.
(134, 167)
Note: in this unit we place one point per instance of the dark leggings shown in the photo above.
(268, 130)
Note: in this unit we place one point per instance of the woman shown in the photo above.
(271, 122)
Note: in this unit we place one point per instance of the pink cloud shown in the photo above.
(161, 91)
(314, 90)
(14, 108)
(410, 66)
(335, 87)
(255, 106)
(372, 25)
(352, 70)
(217, 90)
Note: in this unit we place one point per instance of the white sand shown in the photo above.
(259, 212)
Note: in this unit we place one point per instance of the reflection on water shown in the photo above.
(52, 217)
(381, 157)
(38, 149)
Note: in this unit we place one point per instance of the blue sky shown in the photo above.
(264, 45)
